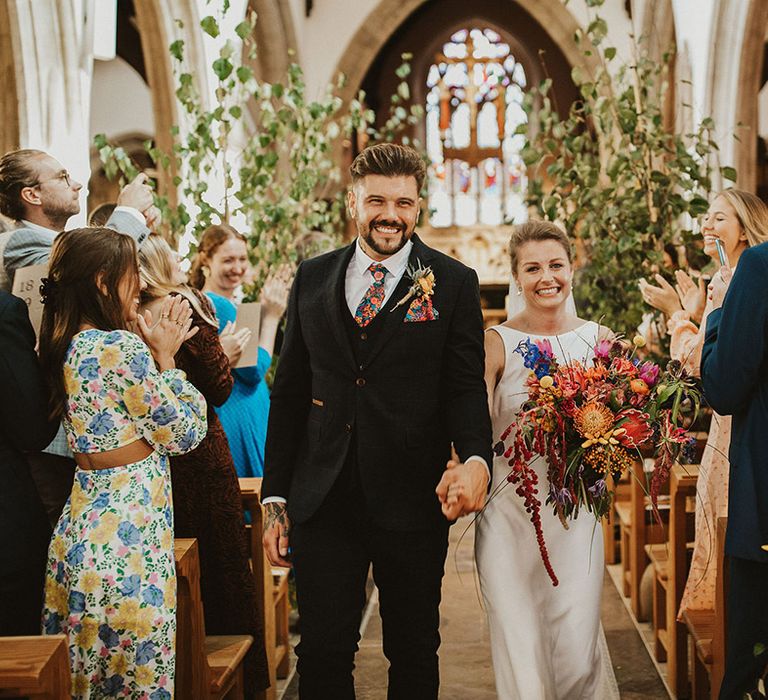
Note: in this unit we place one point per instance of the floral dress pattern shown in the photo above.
(110, 578)
(687, 342)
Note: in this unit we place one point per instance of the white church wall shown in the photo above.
(115, 86)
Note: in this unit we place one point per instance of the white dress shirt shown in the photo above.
(358, 278)
(356, 284)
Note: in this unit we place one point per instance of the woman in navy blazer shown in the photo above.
(734, 369)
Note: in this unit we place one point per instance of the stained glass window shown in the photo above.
(474, 106)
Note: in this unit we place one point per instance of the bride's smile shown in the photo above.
(544, 273)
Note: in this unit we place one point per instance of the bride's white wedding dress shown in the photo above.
(546, 642)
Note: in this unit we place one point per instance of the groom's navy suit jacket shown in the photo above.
(419, 388)
(734, 367)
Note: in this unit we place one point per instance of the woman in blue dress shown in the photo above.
(219, 269)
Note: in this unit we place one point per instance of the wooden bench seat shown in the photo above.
(35, 668)
(271, 589)
(706, 630)
(206, 667)
(225, 655)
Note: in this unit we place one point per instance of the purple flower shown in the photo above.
(603, 349)
(598, 488)
(649, 373)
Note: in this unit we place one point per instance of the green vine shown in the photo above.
(615, 175)
(273, 151)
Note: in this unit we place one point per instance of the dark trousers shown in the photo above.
(331, 556)
(53, 476)
(747, 622)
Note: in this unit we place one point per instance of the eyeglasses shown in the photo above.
(63, 175)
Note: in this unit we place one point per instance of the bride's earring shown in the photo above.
(519, 291)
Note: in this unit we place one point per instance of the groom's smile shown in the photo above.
(385, 210)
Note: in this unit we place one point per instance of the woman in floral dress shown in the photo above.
(110, 579)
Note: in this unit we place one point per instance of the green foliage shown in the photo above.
(272, 148)
(614, 175)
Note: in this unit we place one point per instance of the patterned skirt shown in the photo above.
(111, 582)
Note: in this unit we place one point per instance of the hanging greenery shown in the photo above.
(615, 175)
(272, 151)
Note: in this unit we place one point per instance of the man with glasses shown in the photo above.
(39, 194)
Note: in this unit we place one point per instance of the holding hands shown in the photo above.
(463, 488)
(165, 337)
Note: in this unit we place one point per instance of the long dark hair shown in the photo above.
(83, 261)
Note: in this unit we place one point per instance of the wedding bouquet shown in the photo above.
(590, 422)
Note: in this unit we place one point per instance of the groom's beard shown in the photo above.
(384, 245)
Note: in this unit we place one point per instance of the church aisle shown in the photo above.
(465, 662)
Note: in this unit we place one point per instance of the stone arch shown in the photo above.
(276, 39)
(384, 20)
(159, 24)
(9, 111)
(734, 80)
(657, 30)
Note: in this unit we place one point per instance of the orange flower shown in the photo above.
(639, 387)
(594, 421)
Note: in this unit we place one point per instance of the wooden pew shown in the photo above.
(670, 562)
(611, 522)
(706, 629)
(639, 526)
(206, 667)
(271, 587)
(35, 668)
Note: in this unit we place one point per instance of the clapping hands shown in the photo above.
(234, 341)
(719, 286)
(685, 295)
(165, 336)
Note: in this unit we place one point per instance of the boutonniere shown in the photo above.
(422, 283)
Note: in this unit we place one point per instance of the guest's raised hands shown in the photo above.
(693, 295)
(233, 341)
(136, 194)
(719, 286)
(274, 293)
(165, 337)
(153, 218)
(662, 297)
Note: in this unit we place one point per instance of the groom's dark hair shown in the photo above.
(390, 160)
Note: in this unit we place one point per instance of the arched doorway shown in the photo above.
(477, 179)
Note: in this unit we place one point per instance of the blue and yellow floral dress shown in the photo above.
(110, 581)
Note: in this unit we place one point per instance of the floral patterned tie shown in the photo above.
(374, 296)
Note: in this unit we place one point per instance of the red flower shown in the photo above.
(635, 426)
(623, 366)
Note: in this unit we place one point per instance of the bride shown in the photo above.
(546, 641)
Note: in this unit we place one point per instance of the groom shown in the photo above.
(381, 370)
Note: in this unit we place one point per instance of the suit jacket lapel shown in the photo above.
(334, 301)
(393, 317)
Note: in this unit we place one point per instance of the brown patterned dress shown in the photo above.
(207, 506)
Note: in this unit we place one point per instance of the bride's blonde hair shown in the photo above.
(156, 268)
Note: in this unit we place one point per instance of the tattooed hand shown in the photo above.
(277, 527)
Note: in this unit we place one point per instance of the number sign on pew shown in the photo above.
(249, 316)
(26, 285)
